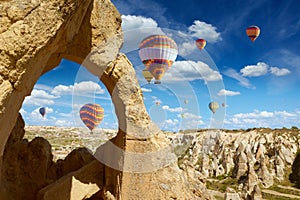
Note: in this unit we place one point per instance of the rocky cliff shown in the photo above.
(242, 159)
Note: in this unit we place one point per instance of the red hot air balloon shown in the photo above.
(91, 115)
(253, 32)
(158, 52)
(200, 43)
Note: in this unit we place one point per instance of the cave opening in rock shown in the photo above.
(61, 92)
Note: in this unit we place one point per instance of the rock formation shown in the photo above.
(252, 157)
(35, 35)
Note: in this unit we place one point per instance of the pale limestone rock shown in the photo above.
(231, 194)
(256, 193)
(77, 185)
(241, 166)
(264, 175)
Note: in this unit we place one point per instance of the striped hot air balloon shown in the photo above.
(158, 52)
(91, 115)
(253, 32)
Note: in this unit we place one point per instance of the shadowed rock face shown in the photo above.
(35, 35)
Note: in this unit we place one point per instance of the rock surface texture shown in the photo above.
(137, 164)
(255, 158)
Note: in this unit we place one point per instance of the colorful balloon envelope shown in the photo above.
(91, 115)
(253, 32)
(158, 52)
(147, 75)
(42, 111)
(213, 106)
(200, 43)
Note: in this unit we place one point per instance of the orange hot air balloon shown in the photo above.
(253, 32)
(200, 43)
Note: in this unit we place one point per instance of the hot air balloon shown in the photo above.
(158, 52)
(213, 106)
(186, 101)
(253, 32)
(91, 115)
(42, 111)
(200, 43)
(147, 75)
(157, 103)
(223, 105)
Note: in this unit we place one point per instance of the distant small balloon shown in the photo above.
(42, 111)
(253, 32)
(186, 101)
(201, 43)
(147, 75)
(213, 106)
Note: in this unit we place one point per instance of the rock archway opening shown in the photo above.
(59, 94)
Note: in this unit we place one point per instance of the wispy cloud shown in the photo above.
(174, 110)
(242, 80)
(263, 118)
(146, 89)
(224, 92)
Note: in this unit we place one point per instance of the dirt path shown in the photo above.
(289, 188)
(272, 192)
(217, 193)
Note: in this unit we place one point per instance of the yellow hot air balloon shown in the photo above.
(213, 106)
(147, 75)
(158, 52)
(253, 32)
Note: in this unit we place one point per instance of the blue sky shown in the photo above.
(259, 82)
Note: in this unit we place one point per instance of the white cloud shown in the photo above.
(135, 29)
(172, 122)
(130, 22)
(206, 31)
(255, 114)
(242, 80)
(189, 116)
(39, 98)
(261, 69)
(264, 119)
(82, 88)
(176, 110)
(224, 92)
(255, 70)
(146, 89)
(279, 72)
(62, 122)
(23, 112)
(190, 70)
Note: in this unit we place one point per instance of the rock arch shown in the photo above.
(35, 35)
